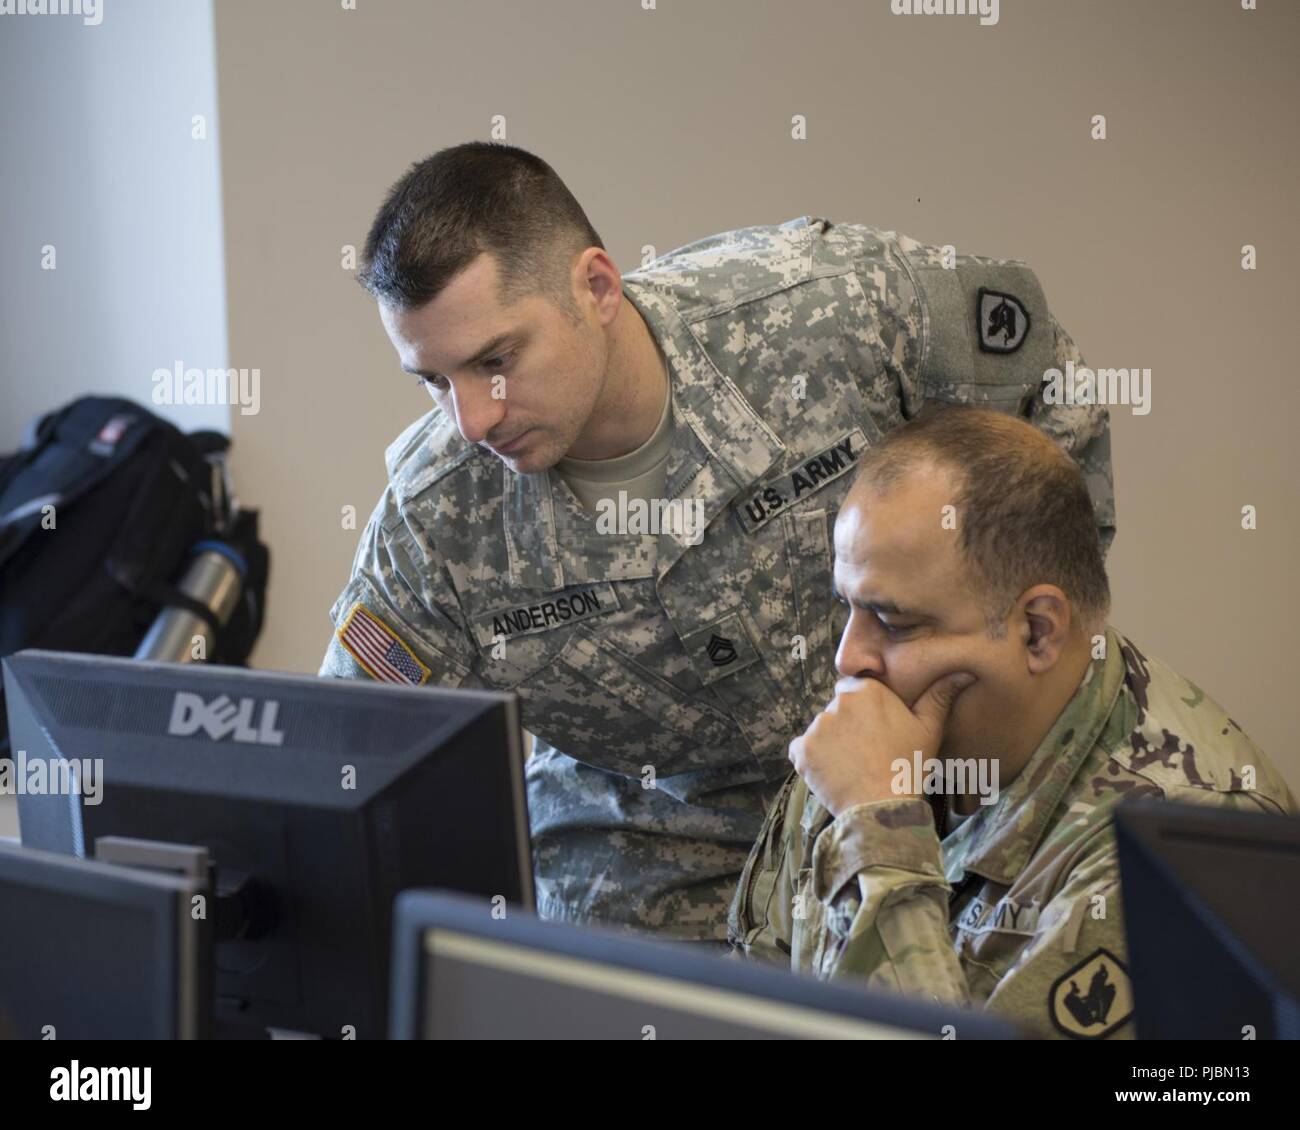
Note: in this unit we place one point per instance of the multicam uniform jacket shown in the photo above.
(1017, 910)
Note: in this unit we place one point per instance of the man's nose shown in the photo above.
(858, 655)
(477, 412)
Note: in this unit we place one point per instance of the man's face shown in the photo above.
(463, 338)
(913, 616)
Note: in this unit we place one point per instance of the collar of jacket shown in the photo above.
(720, 446)
(999, 839)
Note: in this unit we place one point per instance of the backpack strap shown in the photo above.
(74, 450)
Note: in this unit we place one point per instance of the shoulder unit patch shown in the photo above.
(1092, 999)
(1002, 321)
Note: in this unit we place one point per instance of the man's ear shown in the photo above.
(594, 273)
(1046, 618)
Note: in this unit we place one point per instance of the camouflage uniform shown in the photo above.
(1018, 909)
(673, 676)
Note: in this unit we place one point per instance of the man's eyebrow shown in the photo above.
(486, 351)
(888, 607)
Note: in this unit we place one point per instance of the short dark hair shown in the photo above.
(1024, 514)
(481, 196)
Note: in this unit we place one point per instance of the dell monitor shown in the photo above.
(317, 801)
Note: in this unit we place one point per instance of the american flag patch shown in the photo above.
(374, 645)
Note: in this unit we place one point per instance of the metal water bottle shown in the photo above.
(215, 578)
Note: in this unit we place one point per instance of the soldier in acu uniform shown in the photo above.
(663, 665)
(980, 641)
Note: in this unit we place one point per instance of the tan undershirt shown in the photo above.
(642, 473)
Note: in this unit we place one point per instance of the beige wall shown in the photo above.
(672, 124)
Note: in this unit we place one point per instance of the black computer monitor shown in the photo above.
(460, 972)
(317, 801)
(1211, 918)
(93, 951)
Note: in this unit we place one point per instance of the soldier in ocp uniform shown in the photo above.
(980, 641)
(663, 667)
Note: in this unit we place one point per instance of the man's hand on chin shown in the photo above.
(845, 755)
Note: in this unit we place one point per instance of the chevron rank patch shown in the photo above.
(720, 649)
(1091, 1000)
(375, 646)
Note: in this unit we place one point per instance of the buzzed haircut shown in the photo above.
(1024, 516)
(481, 196)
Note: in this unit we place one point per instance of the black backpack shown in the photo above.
(99, 512)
